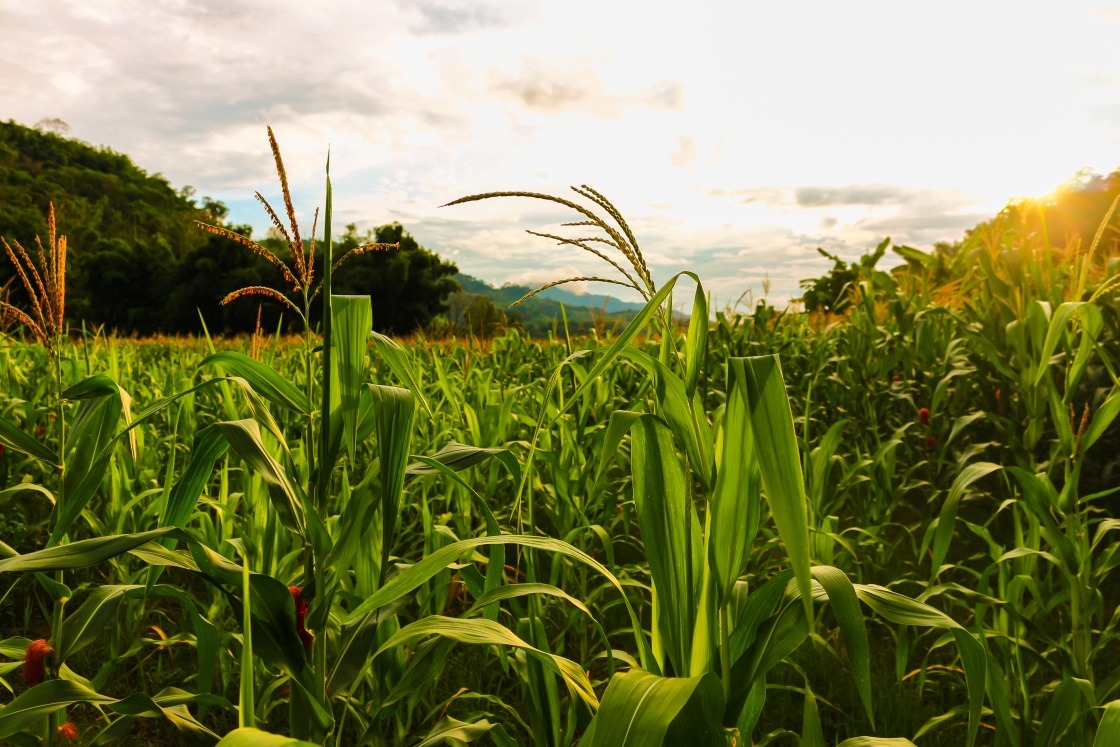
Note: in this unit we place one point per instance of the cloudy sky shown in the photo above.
(735, 136)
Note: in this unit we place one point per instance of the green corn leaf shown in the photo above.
(487, 632)
(395, 409)
(617, 428)
(13, 438)
(1054, 332)
(48, 697)
(686, 417)
(736, 500)
(664, 516)
(819, 462)
(358, 640)
(902, 610)
(497, 558)
(458, 457)
(696, 344)
(209, 445)
(244, 436)
(353, 319)
(400, 363)
(636, 325)
(246, 737)
(751, 710)
(640, 708)
(845, 606)
(84, 553)
(947, 521)
(1060, 714)
(84, 625)
(1108, 732)
(812, 735)
(1101, 419)
(262, 378)
(436, 561)
(877, 742)
(93, 431)
(778, 460)
(451, 728)
(58, 591)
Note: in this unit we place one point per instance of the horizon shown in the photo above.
(735, 140)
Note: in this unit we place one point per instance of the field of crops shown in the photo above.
(889, 524)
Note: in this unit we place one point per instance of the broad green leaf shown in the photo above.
(736, 500)
(684, 416)
(1064, 707)
(636, 325)
(246, 737)
(1054, 334)
(451, 728)
(48, 697)
(619, 426)
(812, 735)
(487, 632)
(209, 445)
(845, 606)
(263, 378)
(83, 626)
(458, 457)
(948, 518)
(877, 742)
(58, 591)
(640, 708)
(1102, 418)
(13, 438)
(778, 459)
(244, 436)
(905, 611)
(664, 516)
(400, 363)
(696, 344)
(353, 319)
(436, 561)
(1108, 732)
(395, 409)
(84, 553)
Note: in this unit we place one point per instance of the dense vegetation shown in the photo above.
(890, 516)
(139, 263)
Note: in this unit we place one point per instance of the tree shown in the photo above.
(409, 286)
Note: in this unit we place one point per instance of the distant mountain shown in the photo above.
(539, 314)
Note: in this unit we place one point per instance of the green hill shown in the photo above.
(542, 314)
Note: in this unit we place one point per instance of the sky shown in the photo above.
(736, 137)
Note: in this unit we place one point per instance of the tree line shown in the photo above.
(138, 263)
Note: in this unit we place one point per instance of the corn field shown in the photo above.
(889, 527)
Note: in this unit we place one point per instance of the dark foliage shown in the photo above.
(138, 263)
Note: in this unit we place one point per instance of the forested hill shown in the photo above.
(137, 262)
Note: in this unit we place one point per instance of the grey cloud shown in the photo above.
(852, 194)
(460, 16)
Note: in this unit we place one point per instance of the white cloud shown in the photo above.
(803, 129)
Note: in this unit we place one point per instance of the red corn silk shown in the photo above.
(301, 614)
(34, 668)
(68, 732)
(923, 416)
(42, 430)
(897, 377)
(931, 442)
